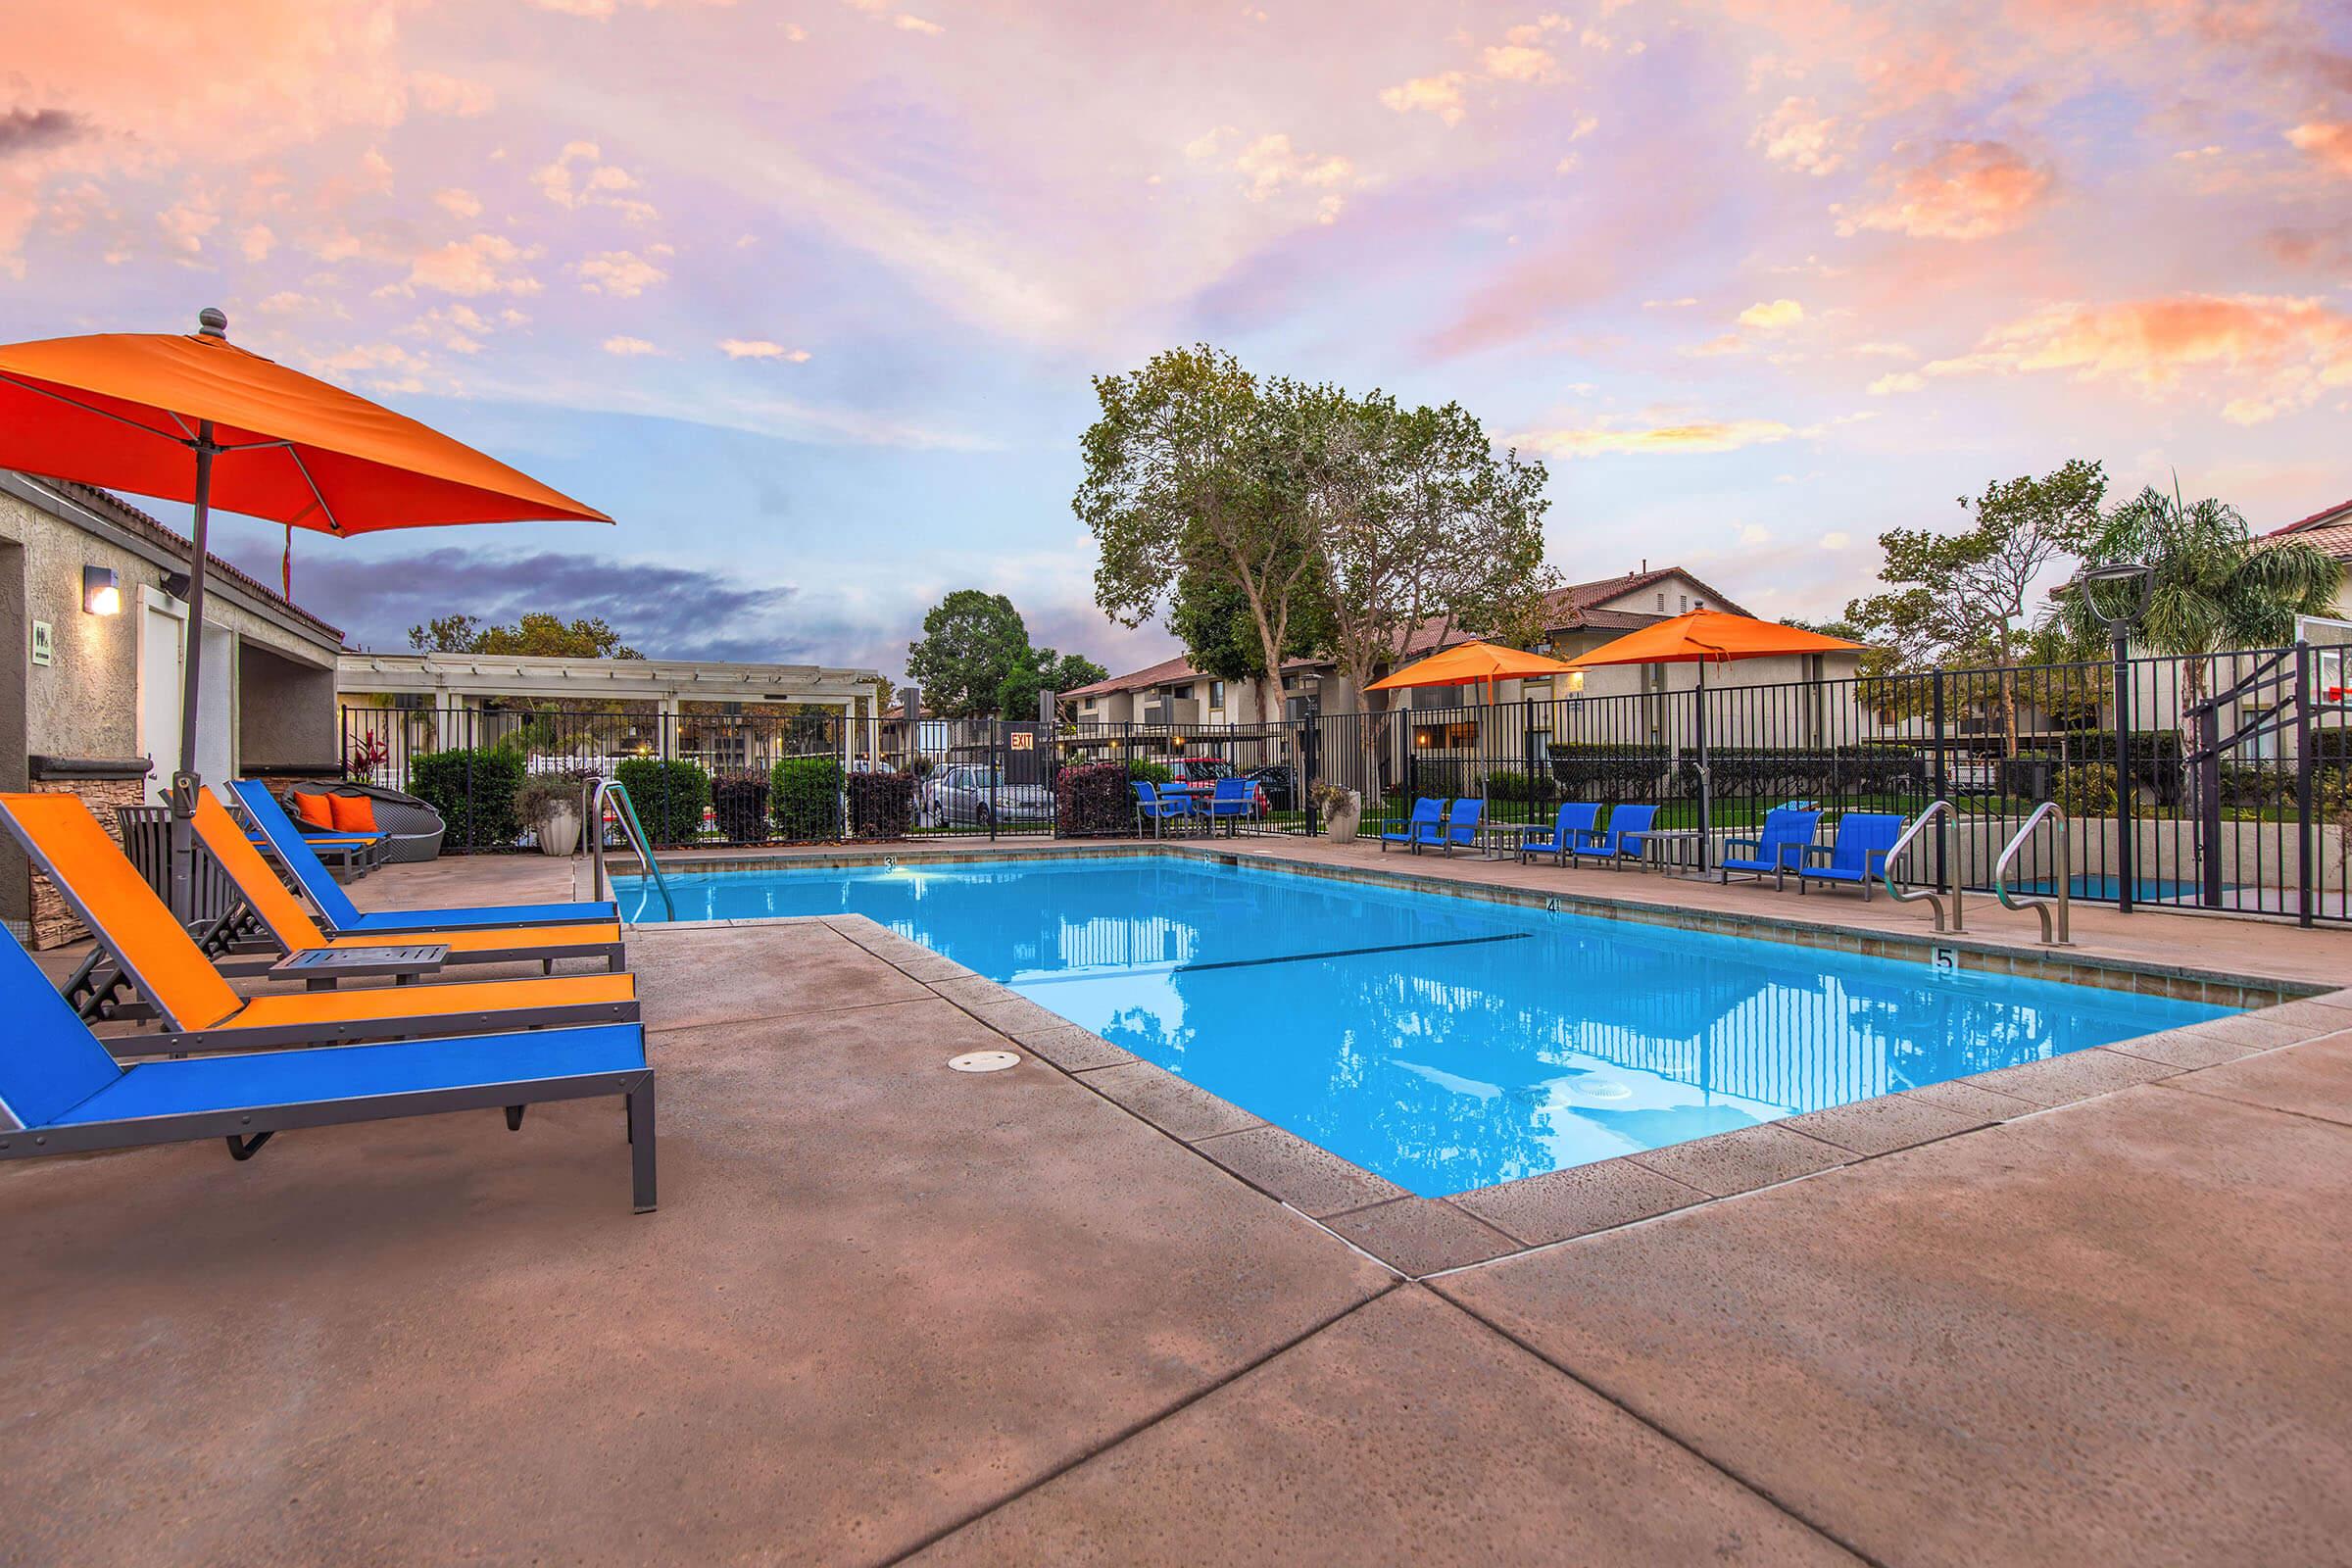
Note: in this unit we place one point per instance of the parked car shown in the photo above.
(1278, 786)
(975, 795)
(1197, 777)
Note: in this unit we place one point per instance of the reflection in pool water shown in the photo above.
(1445, 1043)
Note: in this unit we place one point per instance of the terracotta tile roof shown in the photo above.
(125, 515)
(1167, 670)
(2329, 529)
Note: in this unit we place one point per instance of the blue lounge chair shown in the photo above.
(1229, 799)
(1425, 826)
(1158, 808)
(1572, 829)
(1461, 823)
(1624, 839)
(1857, 856)
(342, 917)
(1788, 834)
(61, 1093)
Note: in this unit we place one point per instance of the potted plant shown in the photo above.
(548, 804)
(1340, 807)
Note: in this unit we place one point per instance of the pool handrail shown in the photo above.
(2066, 875)
(1951, 874)
(597, 790)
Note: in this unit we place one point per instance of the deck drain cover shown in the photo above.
(985, 1060)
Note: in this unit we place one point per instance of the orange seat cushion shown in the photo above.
(315, 809)
(353, 814)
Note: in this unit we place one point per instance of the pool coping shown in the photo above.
(1420, 1237)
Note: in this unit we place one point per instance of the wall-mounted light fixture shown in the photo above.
(1576, 680)
(101, 591)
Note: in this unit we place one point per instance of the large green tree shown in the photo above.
(972, 645)
(1190, 481)
(536, 635)
(1212, 618)
(1421, 527)
(1966, 599)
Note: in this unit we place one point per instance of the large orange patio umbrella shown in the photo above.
(191, 418)
(1467, 664)
(1705, 637)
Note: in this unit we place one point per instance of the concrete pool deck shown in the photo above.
(889, 1309)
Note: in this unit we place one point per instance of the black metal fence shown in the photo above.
(2223, 782)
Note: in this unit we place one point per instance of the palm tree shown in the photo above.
(2213, 586)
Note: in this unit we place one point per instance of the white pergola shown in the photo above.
(463, 682)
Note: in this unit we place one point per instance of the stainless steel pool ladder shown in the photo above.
(1946, 904)
(597, 791)
(2066, 875)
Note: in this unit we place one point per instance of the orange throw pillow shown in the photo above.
(315, 809)
(353, 814)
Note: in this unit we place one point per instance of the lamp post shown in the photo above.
(2130, 584)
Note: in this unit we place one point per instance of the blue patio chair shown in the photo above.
(342, 918)
(1229, 799)
(1788, 834)
(1424, 826)
(1461, 823)
(1573, 828)
(1158, 808)
(1624, 838)
(1860, 852)
(61, 1093)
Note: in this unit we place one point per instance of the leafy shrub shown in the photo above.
(1149, 772)
(807, 797)
(1508, 784)
(1093, 798)
(669, 797)
(881, 804)
(2156, 762)
(2087, 788)
(473, 790)
(739, 800)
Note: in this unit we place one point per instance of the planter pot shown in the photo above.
(1339, 826)
(559, 831)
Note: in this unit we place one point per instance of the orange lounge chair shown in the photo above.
(293, 929)
(198, 1009)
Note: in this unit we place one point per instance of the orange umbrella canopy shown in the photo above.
(1467, 664)
(126, 410)
(1710, 637)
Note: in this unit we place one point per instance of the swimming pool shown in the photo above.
(1443, 1043)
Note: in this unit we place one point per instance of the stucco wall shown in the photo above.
(286, 711)
(85, 704)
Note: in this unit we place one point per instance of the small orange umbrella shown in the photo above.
(128, 411)
(1468, 664)
(1705, 637)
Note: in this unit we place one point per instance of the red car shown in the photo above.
(1197, 777)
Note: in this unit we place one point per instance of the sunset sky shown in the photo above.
(808, 295)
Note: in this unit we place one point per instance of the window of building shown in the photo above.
(1661, 604)
(1685, 601)
(1183, 691)
(1217, 694)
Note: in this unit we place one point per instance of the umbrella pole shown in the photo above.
(1706, 780)
(185, 782)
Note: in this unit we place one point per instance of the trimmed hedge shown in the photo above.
(739, 802)
(881, 804)
(806, 798)
(669, 797)
(1825, 774)
(473, 790)
(1586, 770)
(1509, 784)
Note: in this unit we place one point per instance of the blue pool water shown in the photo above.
(1445, 1043)
(2144, 889)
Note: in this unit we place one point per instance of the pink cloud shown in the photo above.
(2328, 141)
(1966, 191)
